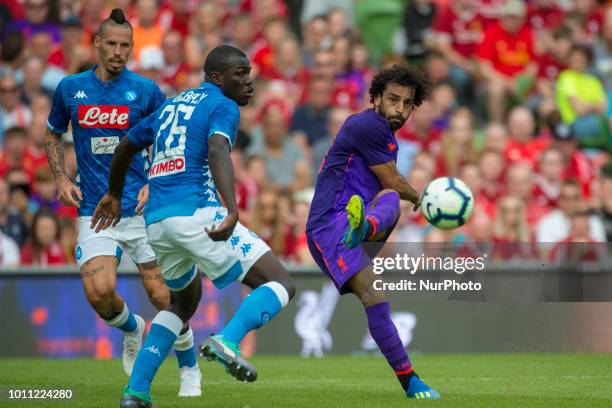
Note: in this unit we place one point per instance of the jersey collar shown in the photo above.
(99, 81)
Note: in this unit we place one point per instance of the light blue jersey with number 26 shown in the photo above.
(180, 181)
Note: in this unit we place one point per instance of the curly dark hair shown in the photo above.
(405, 76)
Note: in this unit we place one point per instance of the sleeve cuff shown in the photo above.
(218, 132)
(55, 129)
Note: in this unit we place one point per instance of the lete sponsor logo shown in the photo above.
(104, 116)
(167, 166)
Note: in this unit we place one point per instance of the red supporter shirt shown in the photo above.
(490, 10)
(53, 255)
(549, 67)
(431, 142)
(544, 18)
(32, 161)
(525, 152)
(509, 53)
(464, 31)
(263, 58)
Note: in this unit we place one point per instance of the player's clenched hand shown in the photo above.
(107, 213)
(68, 192)
(143, 197)
(225, 229)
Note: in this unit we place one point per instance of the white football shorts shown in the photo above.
(181, 245)
(128, 235)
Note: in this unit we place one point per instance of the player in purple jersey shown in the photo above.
(102, 104)
(360, 173)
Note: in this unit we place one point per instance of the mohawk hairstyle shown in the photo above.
(116, 17)
(404, 76)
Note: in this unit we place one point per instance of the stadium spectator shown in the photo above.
(286, 162)
(457, 145)
(337, 116)
(443, 97)
(11, 222)
(205, 33)
(174, 16)
(581, 98)
(44, 248)
(274, 31)
(512, 236)
(522, 146)
(12, 52)
(44, 192)
(520, 183)
(495, 137)
(310, 120)
(437, 67)
(579, 165)
(550, 64)
(492, 165)
(579, 247)
(19, 182)
(33, 71)
(418, 18)
(549, 179)
(301, 208)
(416, 135)
(9, 252)
(507, 59)
(315, 36)
(586, 19)
(602, 52)
(240, 32)
(37, 19)
(174, 71)
(34, 156)
(471, 174)
(11, 156)
(13, 112)
(269, 224)
(289, 68)
(458, 30)
(556, 225)
(72, 54)
(606, 201)
(147, 31)
(68, 238)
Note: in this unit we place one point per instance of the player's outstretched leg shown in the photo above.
(385, 334)
(165, 328)
(272, 290)
(190, 377)
(99, 276)
(373, 223)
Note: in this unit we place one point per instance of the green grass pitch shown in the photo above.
(482, 380)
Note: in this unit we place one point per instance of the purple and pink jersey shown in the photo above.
(364, 140)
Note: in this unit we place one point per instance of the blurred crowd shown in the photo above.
(519, 108)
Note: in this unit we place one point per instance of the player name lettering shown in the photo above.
(104, 116)
(167, 166)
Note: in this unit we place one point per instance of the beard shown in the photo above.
(394, 125)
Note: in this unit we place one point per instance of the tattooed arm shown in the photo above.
(68, 192)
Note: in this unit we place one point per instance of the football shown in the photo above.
(447, 203)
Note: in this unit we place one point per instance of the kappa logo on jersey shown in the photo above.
(167, 166)
(104, 116)
(80, 95)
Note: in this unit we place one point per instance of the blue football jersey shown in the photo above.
(102, 113)
(180, 181)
